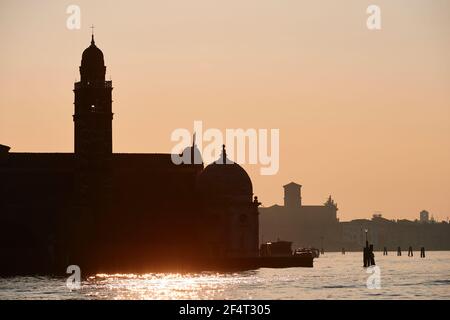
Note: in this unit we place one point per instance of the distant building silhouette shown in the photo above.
(304, 225)
(396, 233)
(292, 195)
(110, 211)
(424, 216)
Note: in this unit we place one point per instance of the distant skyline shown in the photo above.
(363, 115)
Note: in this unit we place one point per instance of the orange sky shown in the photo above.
(363, 115)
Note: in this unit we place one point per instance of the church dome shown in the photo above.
(225, 179)
(92, 63)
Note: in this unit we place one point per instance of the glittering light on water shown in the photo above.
(164, 285)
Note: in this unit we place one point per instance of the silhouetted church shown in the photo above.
(304, 225)
(107, 211)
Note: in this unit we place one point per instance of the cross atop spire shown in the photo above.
(92, 28)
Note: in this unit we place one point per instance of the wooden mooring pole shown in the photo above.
(410, 251)
(422, 252)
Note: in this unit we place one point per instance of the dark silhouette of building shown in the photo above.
(318, 226)
(424, 216)
(106, 211)
(304, 225)
(292, 195)
(396, 233)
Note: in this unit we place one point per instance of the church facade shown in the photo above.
(108, 211)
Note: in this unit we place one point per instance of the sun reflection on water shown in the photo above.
(164, 285)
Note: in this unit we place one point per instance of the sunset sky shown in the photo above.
(363, 115)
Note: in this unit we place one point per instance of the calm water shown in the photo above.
(334, 276)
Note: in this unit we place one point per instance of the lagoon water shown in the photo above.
(334, 276)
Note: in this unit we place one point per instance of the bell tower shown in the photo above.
(93, 153)
(93, 107)
(292, 195)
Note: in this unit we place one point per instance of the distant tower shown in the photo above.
(424, 216)
(292, 195)
(93, 107)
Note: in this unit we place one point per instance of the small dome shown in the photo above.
(92, 56)
(92, 63)
(225, 178)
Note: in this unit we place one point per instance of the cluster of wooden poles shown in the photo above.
(410, 252)
(369, 258)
